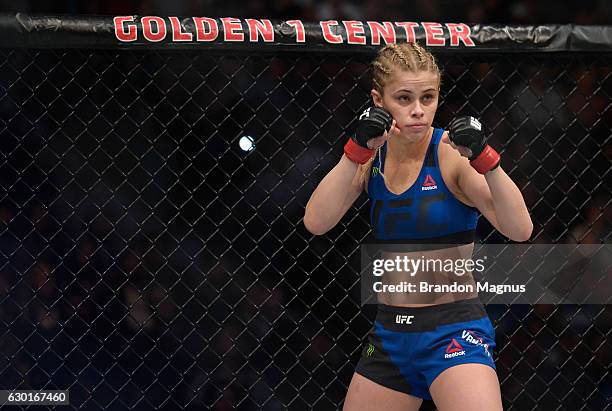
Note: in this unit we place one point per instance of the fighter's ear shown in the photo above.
(376, 98)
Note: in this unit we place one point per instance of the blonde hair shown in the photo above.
(410, 57)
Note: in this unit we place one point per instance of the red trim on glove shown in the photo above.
(486, 161)
(356, 153)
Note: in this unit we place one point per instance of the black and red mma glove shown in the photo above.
(467, 131)
(373, 122)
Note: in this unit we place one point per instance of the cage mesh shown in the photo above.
(149, 263)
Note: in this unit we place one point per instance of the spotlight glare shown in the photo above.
(246, 143)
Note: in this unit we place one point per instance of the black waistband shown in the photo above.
(418, 319)
(423, 244)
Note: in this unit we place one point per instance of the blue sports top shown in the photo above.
(427, 212)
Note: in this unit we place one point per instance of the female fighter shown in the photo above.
(427, 186)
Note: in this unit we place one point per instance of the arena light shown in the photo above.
(246, 143)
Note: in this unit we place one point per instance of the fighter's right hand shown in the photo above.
(372, 123)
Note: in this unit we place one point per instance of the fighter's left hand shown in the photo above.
(465, 134)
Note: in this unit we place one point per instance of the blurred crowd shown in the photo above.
(469, 11)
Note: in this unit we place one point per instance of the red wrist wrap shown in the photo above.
(486, 161)
(356, 153)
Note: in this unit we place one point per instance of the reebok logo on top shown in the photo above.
(429, 184)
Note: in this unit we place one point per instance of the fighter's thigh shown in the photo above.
(467, 387)
(364, 394)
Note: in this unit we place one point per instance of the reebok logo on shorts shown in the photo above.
(454, 349)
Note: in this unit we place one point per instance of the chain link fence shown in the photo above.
(150, 263)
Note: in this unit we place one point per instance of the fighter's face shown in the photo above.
(412, 100)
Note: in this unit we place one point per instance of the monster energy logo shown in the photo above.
(370, 350)
(374, 171)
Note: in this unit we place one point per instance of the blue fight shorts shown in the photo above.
(409, 347)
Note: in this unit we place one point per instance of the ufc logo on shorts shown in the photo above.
(366, 113)
(403, 319)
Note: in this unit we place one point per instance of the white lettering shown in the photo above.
(425, 287)
(401, 287)
(366, 113)
(500, 288)
(403, 319)
(455, 354)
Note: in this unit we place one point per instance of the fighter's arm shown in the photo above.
(342, 185)
(498, 199)
(333, 197)
(484, 182)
